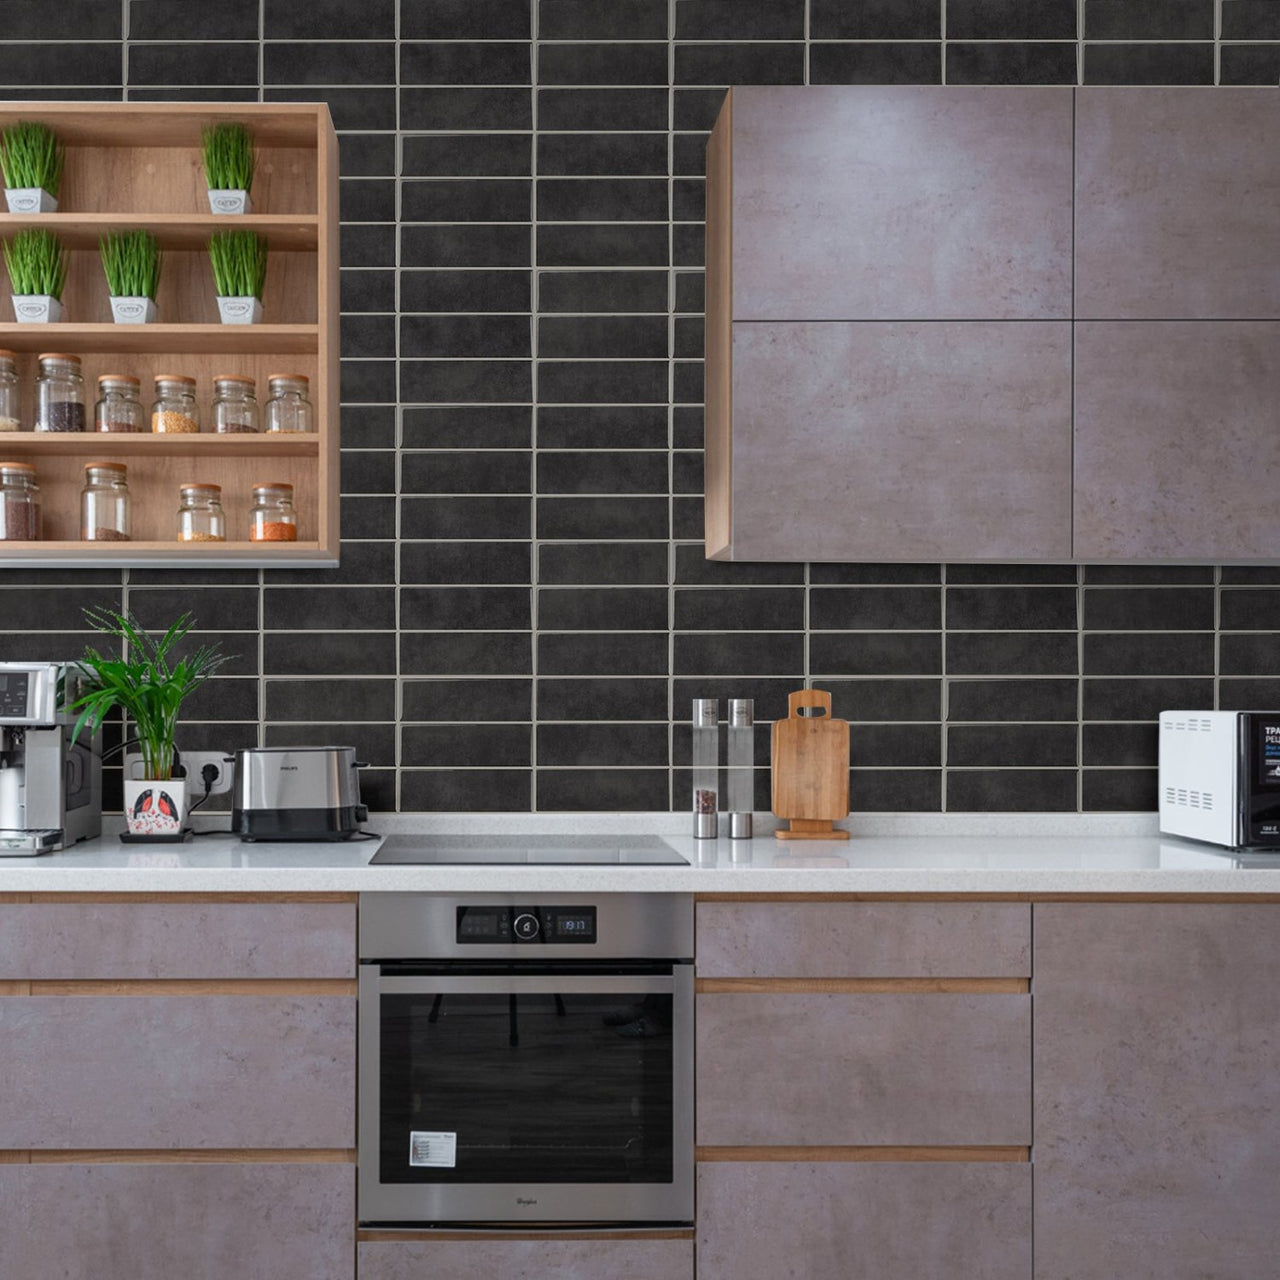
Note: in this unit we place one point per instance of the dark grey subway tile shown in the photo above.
(583, 563)
(161, 20)
(602, 291)
(1147, 575)
(1135, 64)
(1011, 745)
(601, 518)
(875, 20)
(1150, 20)
(361, 563)
(1011, 608)
(607, 653)
(465, 653)
(602, 609)
(466, 746)
(600, 471)
(1120, 744)
(739, 608)
(465, 608)
(1118, 790)
(1153, 653)
(476, 381)
(1249, 610)
(226, 608)
(895, 790)
(359, 108)
(602, 337)
(182, 64)
(599, 155)
(363, 289)
(1250, 20)
(882, 746)
(77, 20)
(615, 698)
(467, 20)
(697, 108)
(769, 694)
(603, 63)
(1245, 695)
(370, 337)
(1143, 698)
(1011, 790)
(464, 290)
(739, 653)
(604, 426)
(461, 245)
(741, 20)
(466, 200)
(465, 562)
(744, 63)
(610, 244)
(461, 62)
(367, 381)
(465, 517)
(870, 653)
(480, 426)
(52, 608)
(579, 110)
(1242, 64)
(873, 699)
(478, 700)
(1012, 653)
(1009, 62)
(607, 745)
(344, 699)
(693, 569)
(590, 20)
(1003, 700)
(1249, 654)
(465, 471)
(875, 608)
(1012, 19)
(466, 108)
(340, 62)
(602, 790)
(373, 743)
(603, 381)
(601, 199)
(466, 790)
(495, 337)
(886, 62)
(467, 155)
(329, 653)
(328, 20)
(328, 609)
(1148, 609)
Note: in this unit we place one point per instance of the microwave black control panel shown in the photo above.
(526, 924)
(14, 694)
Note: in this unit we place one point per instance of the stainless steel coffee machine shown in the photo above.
(50, 786)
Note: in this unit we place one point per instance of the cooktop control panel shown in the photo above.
(512, 924)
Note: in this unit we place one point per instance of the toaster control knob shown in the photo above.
(527, 926)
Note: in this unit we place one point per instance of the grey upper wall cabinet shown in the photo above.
(939, 324)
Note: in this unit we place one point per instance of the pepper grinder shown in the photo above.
(706, 753)
(741, 787)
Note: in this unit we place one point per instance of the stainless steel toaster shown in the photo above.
(297, 793)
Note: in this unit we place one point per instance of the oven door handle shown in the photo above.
(558, 984)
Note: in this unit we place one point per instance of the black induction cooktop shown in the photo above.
(516, 850)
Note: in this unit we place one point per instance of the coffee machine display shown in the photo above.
(50, 786)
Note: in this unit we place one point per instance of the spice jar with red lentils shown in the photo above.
(273, 518)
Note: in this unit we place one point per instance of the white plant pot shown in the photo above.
(36, 308)
(29, 200)
(133, 310)
(155, 808)
(240, 310)
(229, 200)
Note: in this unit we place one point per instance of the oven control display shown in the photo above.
(526, 924)
(13, 694)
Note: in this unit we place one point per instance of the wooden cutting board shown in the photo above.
(810, 769)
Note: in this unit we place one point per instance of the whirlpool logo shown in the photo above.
(522, 1200)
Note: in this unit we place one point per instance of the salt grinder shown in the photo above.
(706, 762)
(741, 782)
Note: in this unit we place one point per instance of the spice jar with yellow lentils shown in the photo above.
(175, 410)
(200, 517)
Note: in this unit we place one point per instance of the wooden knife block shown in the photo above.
(810, 757)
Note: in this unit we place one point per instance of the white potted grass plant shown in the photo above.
(31, 159)
(229, 162)
(37, 266)
(149, 686)
(239, 260)
(131, 263)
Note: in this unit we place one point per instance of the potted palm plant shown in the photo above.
(229, 162)
(37, 265)
(149, 686)
(131, 263)
(31, 159)
(239, 260)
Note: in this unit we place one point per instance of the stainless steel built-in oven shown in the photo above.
(526, 1058)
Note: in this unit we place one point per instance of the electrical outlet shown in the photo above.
(195, 761)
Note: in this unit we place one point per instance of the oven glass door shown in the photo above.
(510, 1077)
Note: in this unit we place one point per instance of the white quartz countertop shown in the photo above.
(887, 854)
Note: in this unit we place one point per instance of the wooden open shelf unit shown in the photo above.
(132, 165)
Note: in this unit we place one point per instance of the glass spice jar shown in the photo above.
(273, 518)
(235, 404)
(104, 503)
(60, 404)
(9, 420)
(200, 517)
(289, 409)
(174, 411)
(119, 408)
(19, 502)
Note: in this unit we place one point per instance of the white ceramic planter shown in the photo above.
(36, 308)
(229, 200)
(133, 310)
(240, 310)
(29, 200)
(155, 808)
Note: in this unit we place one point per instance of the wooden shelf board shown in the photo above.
(283, 231)
(212, 339)
(144, 445)
(169, 124)
(137, 555)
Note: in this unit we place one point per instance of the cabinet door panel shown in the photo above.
(177, 1072)
(1176, 450)
(161, 1221)
(864, 1221)
(136, 940)
(876, 1070)
(1177, 192)
(901, 203)
(527, 1260)
(1157, 1099)
(901, 441)
(864, 940)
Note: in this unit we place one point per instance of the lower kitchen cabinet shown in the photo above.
(544, 1259)
(875, 1221)
(1157, 1094)
(177, 1221)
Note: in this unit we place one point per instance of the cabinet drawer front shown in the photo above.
(178, 1072)
(528, 1260)
(864, 1070)
(161, 1221)
(836, 1221)
(133, 940)
(864, 940)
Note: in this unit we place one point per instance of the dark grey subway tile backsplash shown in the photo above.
(523, 611)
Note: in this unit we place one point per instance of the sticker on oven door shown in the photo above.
(433, 1150)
